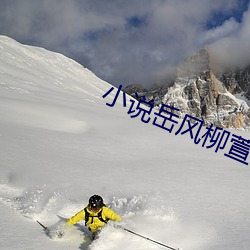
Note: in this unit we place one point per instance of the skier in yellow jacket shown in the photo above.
(96, 215)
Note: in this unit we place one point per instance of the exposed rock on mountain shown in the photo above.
(237, 81)
(198, 92)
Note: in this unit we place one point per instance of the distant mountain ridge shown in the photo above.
(220, 98)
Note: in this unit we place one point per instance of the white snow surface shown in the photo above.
(60, 143)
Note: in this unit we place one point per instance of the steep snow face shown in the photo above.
(30, 74)
(61, 143)
(38, 73)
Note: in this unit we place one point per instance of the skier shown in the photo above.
(95, 214)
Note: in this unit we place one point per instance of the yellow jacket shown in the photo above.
(94, 223)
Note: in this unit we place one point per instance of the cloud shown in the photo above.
(228, 28)
(121, 41)
(233, 49)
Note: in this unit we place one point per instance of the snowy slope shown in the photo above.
(61, 143)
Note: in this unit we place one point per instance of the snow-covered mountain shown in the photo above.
(202, 93)
(60, 143)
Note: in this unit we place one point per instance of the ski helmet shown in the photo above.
(95, 202)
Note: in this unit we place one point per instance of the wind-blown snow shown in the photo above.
(60, 143)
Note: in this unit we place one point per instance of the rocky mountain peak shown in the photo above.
(197, 64)
(203, 94)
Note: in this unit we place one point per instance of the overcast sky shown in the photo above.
(131, 41)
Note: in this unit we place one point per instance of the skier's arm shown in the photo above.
(77, 217)
(110, 214)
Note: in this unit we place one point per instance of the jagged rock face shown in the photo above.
(131, 89)
(198, 92)
(237, 81)
(155, 94)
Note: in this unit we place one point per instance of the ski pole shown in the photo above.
(146, 238)
(45, 228)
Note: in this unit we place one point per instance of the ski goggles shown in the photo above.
(94, 208)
